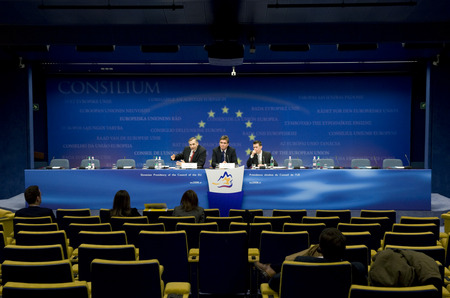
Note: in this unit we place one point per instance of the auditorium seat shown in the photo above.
(170, 249)
(391, 214)
(296, 215)
(344, 215)
(329, 221)
(360, 163)
(35, 253)
(224, 221)
(132, 279)
(373, 228)
(193, 231)
(275, 246)
(277, 222)
(88, 252)
(247, 214)
(103, 238)
(118, 221)
(358, 253)
(154, 214)
(314, 230)
(126, 163)
(133, 229)
(385, 222)
(428, 291)
(223, 268)
(37, 227)
(31, 220)
(37, 272)
(170, 222)
(300, 279)
(212, 212)
(392, 163)
(45, 238)
(60, 213)
(253, 230)
(409, 239)
(74, 229)
(75, 289)
(68, 219)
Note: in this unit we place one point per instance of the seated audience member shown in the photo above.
(331, 248)
(34, 199)
(189, 207)
(404, 268)
(121, 205)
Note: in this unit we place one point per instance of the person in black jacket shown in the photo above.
(224, 153)
(192, 153)
(33, 197)
(259, 157)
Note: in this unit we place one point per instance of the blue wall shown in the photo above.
(14, 132)
(440, 128)
(15, 136)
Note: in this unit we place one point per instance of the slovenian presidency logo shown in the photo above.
(226, 180)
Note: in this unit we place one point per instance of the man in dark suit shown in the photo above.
(33, 197)
(224, 153)
(192, 153)
(259, 157)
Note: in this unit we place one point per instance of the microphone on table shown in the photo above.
(409, 163)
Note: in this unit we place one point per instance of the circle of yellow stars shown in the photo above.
(225, 110)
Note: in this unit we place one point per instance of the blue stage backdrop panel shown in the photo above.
(339, 117)
(265, 189)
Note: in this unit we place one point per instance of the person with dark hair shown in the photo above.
(192, 153)
(33, 197)
(331, 248)
(121, 205)
(224, 153)
(189, 207)
(259, 157)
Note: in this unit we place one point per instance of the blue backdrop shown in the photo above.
(339, 117)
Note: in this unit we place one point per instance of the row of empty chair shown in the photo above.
(297, 163)
(237, 224)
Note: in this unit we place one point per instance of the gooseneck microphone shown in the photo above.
(407, 159)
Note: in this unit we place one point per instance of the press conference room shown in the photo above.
(350, 99)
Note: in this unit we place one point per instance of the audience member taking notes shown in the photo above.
(224, 153)
(192, 153)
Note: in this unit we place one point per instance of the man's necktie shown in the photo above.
(192, 155)
(223, 156)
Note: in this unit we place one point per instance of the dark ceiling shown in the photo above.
(292, 34)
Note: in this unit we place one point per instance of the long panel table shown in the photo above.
(263, 189)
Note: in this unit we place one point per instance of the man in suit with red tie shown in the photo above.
(192, 153)
(223, 153)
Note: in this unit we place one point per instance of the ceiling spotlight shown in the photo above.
(233, 72)
(21, 64)
(252, 45)
(436, 62)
